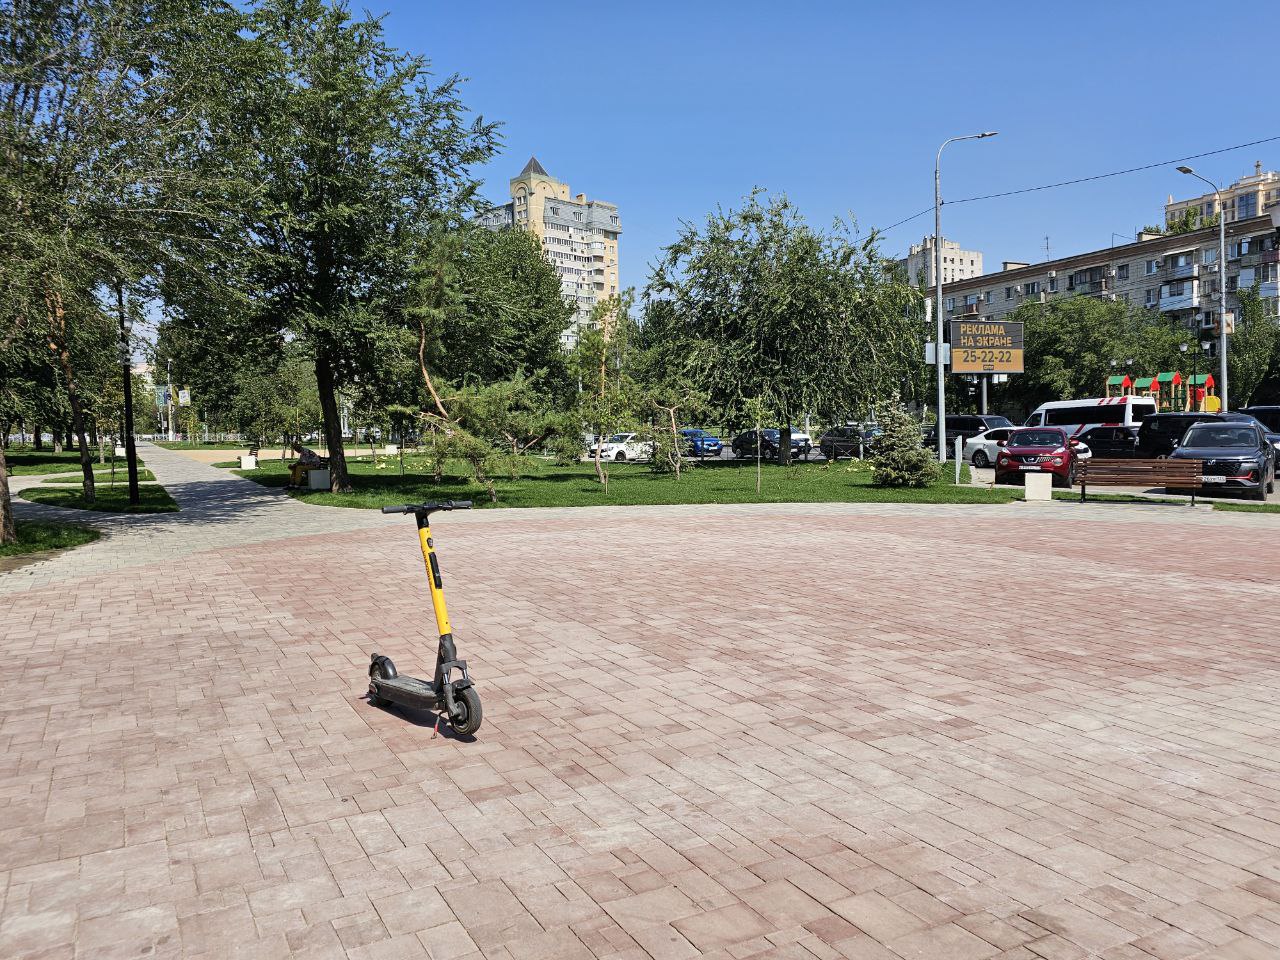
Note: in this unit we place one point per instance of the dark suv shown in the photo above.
(1160, 432)
(848, 441)
(1268, 416)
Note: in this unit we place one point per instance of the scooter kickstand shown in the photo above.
(435, 733)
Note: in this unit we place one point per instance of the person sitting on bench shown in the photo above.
(307, 460)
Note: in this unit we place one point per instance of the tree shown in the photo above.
(765, 307)
(899, 458)
(1254, 347)
(1071, 342)
(603, 362)
(358, 153)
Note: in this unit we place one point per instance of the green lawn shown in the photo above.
(25, 462)
(36, 535)
(547, 485)
(1115, 497)
(1249, 507)
(152, 498)
(102, 476)
(201, 445)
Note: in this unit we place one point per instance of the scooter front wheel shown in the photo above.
(467, 713)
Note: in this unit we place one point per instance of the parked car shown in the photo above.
(981, 450)
(1110, 442)
(1273, 437)
(1160, 432)
(964, 425)
(702, 444)
(744, 444)
(625, 446)
(801, 443)
(1037, 450)
(1236, 455)
(851, 440)
(1268, 415)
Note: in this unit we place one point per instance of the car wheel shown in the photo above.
(1261, 493)
(620, 457)
(980, 459)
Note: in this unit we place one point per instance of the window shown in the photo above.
(1153, 266)
(1053, 284)
(951, 303)
(1176, 289)
(987, 296)
(1150, 297)
(1209, 255)
(1122, 272)
(1232, 284)
(1182, 259)
(1031, 289)
(1008, 293)
(1247, 206)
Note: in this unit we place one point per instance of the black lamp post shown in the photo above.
(130, 452)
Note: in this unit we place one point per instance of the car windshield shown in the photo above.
(1220, 435)
(1037, 438)
(769, 434)
(999, 422)
(620, 438)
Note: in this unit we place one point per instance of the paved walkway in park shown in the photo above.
(802, 731)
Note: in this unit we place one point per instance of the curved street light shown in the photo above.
(937, 306)
(1222, 286)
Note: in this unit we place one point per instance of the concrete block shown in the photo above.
(1039, 486)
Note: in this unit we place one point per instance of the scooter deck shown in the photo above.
(407, 690)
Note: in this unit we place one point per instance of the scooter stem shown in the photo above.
(433, 576)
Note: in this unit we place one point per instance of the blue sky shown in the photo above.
(668, 109)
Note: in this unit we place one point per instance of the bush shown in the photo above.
(899, 458)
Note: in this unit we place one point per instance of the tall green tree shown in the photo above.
(766, 308)
(358, 152)
(1253, 349)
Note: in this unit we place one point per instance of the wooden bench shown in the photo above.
(1180, 474)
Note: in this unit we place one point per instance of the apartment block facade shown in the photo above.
(1174, 275)
(1245, 199)
(957, 264)
(579, 237)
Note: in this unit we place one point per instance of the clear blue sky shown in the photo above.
(668, 109)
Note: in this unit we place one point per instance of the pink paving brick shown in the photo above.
(862, 760)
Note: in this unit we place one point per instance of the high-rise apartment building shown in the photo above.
(1174, 274)
(579, 237)
(1248, 197)
(957, 264)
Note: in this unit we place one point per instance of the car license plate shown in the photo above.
(1030, 466)
(1214, 479)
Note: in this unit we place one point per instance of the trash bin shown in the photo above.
(248, 462)
(318, 479)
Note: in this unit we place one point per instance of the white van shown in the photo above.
(1077, 416)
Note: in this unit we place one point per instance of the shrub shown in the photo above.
(899, 457)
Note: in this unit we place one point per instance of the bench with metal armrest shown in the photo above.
(1179, 474)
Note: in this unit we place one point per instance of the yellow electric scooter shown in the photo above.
(458, 698)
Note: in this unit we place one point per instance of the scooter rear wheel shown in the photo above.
(467, 714)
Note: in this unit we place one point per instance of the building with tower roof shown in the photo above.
(579, 237)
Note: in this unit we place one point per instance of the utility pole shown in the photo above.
(169, 396)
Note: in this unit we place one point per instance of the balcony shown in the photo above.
(1270, 289)
(1185, 272)
(1188, 301)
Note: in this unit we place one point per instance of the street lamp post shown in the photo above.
(937, 269)
(130, 451)
(1222, 286)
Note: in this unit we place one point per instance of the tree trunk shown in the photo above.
(57, 439)
(58, 341)
(338, 479)
(38, 434)
(784, 446)
(8, 529)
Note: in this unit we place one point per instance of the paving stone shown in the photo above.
(674, 762)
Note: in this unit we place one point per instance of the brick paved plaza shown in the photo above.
(731, 732)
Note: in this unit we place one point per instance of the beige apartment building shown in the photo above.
(1248, 197)
(957, 264)
(1174, 275)
(579, 237)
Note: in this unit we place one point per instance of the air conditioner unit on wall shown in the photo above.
(1052, 274)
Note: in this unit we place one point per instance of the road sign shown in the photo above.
(986, 346)
(184, 398)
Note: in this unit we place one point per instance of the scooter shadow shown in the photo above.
(423, 718)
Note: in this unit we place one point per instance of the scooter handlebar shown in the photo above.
(429, 507)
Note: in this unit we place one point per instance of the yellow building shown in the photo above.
(579, 237)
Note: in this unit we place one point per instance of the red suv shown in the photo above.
(1037, 450)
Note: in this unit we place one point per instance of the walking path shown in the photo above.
(770, 732)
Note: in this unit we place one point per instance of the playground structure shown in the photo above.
(1170, 390)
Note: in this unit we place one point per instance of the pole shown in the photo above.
(130, 451)
(937, 266)
(168, 367)
(984, 379)
(937, 307)
(1222, 301)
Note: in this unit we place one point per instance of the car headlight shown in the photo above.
(1057, 461)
